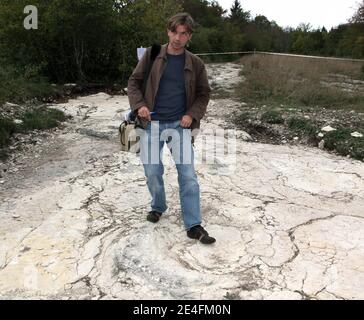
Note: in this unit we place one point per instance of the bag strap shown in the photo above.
(154, 52)
(121, 131)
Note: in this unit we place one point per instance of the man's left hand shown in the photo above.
(186, 121)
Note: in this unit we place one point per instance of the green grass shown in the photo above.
(25, 86)
(40, 118)
(241, 118)
(302, 125)
(221, 93)
(272, 117)
(19, 86)
(281, 90)
(7, 128)
(341, 141)
(298, 82)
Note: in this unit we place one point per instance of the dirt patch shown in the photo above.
(305, 127)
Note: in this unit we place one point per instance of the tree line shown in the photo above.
(96, 40)
(239, 31)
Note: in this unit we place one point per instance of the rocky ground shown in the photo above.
(288, 219)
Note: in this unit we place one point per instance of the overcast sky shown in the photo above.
(318, 13)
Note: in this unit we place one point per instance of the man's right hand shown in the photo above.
(144, 113)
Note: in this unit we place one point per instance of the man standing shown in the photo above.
(170, 105)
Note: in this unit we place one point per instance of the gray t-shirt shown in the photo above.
(170, 101)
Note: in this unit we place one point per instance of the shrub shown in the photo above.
(42, 119)
(341, 141)
(272, 116)
(336, 138)
(7, 128)
(302, 125)
(19, 85)
(241, 119)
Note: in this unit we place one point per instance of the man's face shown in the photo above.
(179, 38)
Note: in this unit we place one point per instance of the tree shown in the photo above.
(304, 27)
(207, 14)
(238, 15)
(262, 22)
(358, 17)
(84, 40)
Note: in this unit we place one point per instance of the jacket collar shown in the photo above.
(163, 55)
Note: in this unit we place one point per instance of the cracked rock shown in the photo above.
(288, 219)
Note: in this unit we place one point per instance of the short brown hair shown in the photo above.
(182, 18)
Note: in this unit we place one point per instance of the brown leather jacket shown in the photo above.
(196, 83)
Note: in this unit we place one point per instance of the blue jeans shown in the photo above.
(178, 141)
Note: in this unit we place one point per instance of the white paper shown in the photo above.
(140, 52)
